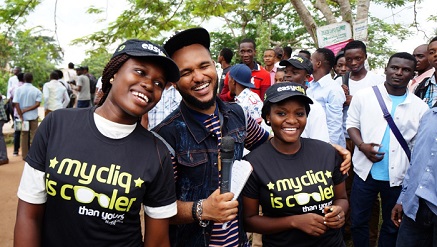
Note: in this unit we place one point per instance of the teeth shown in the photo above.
(290, 129)
(141, 96)
(202, 87)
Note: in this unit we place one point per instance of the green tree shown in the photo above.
(96, 60)
(270, 22)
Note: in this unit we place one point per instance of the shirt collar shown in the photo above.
(325, 80)
(240, 98)
(196, 127)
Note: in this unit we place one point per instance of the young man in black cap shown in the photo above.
(193, 133)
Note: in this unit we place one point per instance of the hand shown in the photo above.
(345, 89)
(346, 155)
(369, 150)
(334, 216)
(310, 223)
(348, 100)
(219, 207)
(396, 215)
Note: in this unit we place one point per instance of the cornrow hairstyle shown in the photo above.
(328, 55)
(110, 70)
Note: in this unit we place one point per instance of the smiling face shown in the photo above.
(398, 73)
(198, 83)
(136, 88)
(288, 119)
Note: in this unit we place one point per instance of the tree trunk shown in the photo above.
(345, 10)
(363, 9)
(307, 19)
(322, 5)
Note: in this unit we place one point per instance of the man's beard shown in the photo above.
(193, 101)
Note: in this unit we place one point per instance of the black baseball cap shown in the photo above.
(144, 48)
(299, 62)
(197, 35)
(284, 90)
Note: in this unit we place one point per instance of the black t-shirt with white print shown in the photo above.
(95, 185)
(295, 184)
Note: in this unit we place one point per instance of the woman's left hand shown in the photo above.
(334, 216)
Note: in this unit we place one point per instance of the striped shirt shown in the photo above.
(255, 136)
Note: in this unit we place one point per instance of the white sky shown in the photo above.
(73, 22)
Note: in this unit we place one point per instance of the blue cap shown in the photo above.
(242, 74)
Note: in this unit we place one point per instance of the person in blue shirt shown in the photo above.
(416, 210)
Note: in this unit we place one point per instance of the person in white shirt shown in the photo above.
(328, 93)
(298, 70)
(358, 77)
(55, 94)
(380, 163)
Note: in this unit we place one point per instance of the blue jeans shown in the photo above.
(363, 194)
(420, 233)
(83, 104)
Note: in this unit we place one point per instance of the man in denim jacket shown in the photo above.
(193, 132)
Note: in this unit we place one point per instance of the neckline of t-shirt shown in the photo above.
(288, 156)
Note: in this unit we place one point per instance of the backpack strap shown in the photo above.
(345, 78)
(421, 89)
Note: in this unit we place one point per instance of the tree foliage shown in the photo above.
(269, 22)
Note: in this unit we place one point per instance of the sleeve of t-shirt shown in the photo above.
(251, 189)
(160, 199)
(338, 177)
(256, 135)
(32, 188)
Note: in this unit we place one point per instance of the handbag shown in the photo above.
(391, 123)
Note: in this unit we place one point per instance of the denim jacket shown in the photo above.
(196, 159)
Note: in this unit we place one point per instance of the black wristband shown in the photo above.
(193, 211)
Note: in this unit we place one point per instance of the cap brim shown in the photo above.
(286, 96)
(187, 37)
(292, 63)
(171, 70)
(248, 85)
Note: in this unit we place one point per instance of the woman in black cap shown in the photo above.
(89, 170)
(297, 181)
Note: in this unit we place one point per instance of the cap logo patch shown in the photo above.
(121, 48)
(292, 88)
(298, 59)
(153, 48)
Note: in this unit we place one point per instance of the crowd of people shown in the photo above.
(330, 143)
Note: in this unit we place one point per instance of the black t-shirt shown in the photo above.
(95, 185)
(295, 184)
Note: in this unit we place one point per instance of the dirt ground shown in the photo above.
(10, 175)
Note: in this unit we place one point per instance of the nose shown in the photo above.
(197, 75)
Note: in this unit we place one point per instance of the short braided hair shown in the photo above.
(110, 70)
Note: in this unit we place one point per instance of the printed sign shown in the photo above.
(333, 33)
